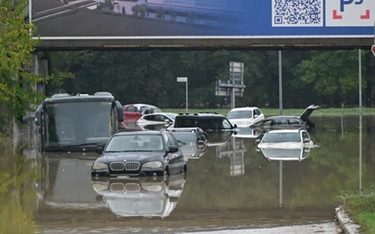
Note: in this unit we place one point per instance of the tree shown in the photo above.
(16, 49)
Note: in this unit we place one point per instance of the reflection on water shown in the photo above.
(141, 197)
(231, 185)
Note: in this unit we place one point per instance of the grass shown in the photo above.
(270, 111)
(361, 208)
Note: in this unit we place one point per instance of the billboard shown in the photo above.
(184, 23)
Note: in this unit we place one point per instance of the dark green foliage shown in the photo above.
(326, 78)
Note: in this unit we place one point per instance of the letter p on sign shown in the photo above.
(373, 49)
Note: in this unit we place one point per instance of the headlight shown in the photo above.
(100, 166)
(152, 165)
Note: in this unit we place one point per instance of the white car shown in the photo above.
(165, 119)
(244, 116)
(286, 145)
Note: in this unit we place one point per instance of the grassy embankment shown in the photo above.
(359, 206)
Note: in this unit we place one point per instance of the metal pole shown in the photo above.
(187, 94)
(360, 117)
(280, 183)
(280, 84)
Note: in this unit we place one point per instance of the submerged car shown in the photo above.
(132, 112)
(139, 153)
(286, 144)
(244, 116)
(208, 121)
(193, 141)
(286, 122)
(165, 119)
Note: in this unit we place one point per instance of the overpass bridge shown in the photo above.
(208, 24)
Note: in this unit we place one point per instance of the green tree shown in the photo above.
(160, 14)
(333, 75)
(136, 9)
(16, 48)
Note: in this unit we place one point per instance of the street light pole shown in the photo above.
(185, 79)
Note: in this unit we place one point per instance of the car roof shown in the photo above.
(244, 108)
(200, 114)
(283, 117)
(144, 132)
(192, 129)
(284, 130)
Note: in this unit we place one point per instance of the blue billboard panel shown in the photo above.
(206, 18)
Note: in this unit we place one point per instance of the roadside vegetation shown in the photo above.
(16, 48)
(361, 208)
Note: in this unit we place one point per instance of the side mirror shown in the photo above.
(305, 140)
(257, 141)
(99, 150)
(172, 149)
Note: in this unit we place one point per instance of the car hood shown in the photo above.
(286, 145)
(242, 122)
(134, 155)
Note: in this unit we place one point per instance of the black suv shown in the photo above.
(208, 121)
(139, 153)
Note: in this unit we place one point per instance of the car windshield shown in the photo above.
(136, 142)
(205, 123)
(244, 114)
(75, 123)
(276, 137)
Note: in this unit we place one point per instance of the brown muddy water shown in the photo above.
(231, 186)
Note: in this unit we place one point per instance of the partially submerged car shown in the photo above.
(286, 144)
(139, 153)
(286, 122)
(165, 119)
(132, 112)
(208, 121)
(244, 116)
(193, 141)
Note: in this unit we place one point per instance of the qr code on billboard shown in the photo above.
(289, 13)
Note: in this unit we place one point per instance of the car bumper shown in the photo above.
(142, 173)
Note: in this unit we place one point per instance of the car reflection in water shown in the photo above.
(193, 141)
(218, 138)
(246, 132)
(141, 198)
(65, 182)
(286, 145)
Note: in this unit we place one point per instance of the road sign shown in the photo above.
(373, 49)
(182, 79)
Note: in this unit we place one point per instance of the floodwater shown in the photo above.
(232, 186)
